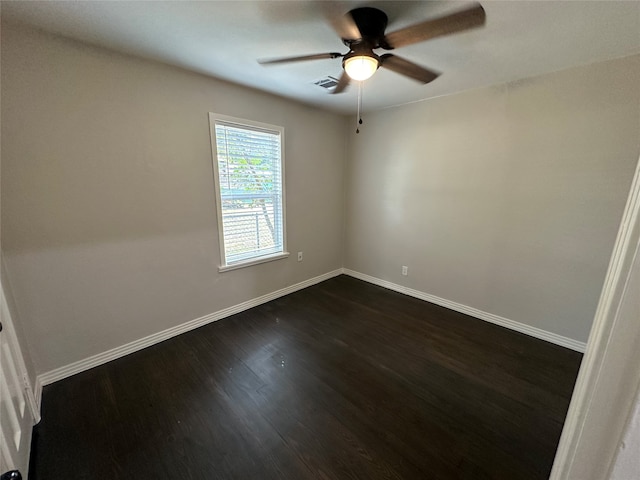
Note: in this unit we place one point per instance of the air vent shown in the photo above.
(327, 82)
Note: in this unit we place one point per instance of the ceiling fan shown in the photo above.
(363, 31)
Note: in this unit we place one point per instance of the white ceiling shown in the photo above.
(224, 38)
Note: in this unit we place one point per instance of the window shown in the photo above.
(248, 165)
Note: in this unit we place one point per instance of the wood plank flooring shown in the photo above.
(342, 380)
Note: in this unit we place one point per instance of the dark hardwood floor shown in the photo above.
(342, 380)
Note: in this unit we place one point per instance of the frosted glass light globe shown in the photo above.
(360, 67)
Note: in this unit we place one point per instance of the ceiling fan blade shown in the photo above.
(342, 83)
(470, 18)
(317, 56)
(343, 23)
(407, 68)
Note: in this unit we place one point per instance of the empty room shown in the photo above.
(320, 240)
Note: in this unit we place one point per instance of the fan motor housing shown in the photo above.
(358, 50)
(372, 23)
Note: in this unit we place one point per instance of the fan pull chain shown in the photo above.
(359, 107)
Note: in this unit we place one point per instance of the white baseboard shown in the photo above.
(104, 357)
(474, 312)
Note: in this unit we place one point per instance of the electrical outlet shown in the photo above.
(299, 256)
(405, 270)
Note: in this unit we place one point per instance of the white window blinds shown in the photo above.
(248, 175)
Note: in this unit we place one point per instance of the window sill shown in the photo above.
(254, 261)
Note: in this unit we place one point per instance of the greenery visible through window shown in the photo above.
(248, 174)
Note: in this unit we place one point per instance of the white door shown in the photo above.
(17, 404)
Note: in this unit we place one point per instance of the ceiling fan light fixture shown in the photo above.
(361, 67)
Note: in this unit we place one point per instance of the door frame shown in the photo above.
(587, 443)
(17, 355)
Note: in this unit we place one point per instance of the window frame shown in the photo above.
(214, 119)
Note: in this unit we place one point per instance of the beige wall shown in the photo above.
(506, 199)
(109, 228)
(6, 288)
